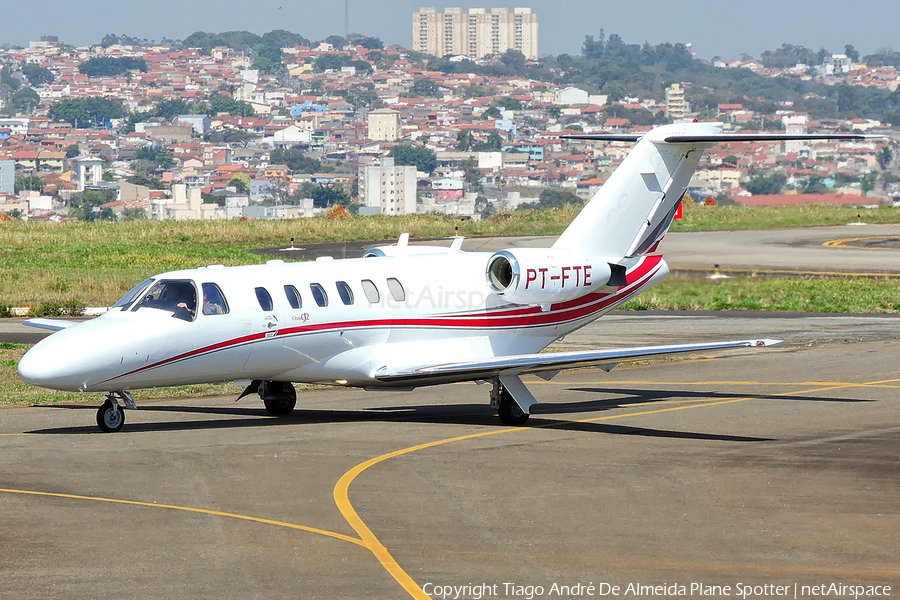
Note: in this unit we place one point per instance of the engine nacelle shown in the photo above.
(544, 276)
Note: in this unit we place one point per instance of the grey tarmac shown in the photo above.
(758, 466)
(864, 249)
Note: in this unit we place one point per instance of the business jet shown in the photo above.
(399, 317)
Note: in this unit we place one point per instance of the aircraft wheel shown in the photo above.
(110, 417)
(509, 412)
(280, 398)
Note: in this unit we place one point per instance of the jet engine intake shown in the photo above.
(544, 276)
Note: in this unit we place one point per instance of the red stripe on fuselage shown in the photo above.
(529, 317)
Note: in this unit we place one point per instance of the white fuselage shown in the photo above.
(444, 313)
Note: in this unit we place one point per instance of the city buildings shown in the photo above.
(383, 125)
(676, 107)
(7, 177)
(389, 189)
(475, 34)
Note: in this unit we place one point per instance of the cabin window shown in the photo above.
(396, 288)
(178, 297)
(319, 294)
(132, 295)
(264, 299)
(293, 296)
(214, 302)
(371, 291)
(345, 292)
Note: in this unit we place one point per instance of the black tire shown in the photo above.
(509, 412)
(280, 398)
(110, 418)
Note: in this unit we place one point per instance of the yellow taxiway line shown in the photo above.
(341, 490)
(367, 539)
(340, 536)
(845, 242)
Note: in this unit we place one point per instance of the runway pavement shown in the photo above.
(860, 249)
(773, 466)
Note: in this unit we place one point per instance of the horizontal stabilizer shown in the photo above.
(725, 137)
(535, 363)
(51, 324)
(766, 137)
(603, 137)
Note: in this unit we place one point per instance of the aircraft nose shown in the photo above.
(50, 366)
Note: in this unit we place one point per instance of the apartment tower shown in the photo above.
(477, 33)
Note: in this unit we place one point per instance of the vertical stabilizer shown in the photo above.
(634, 208)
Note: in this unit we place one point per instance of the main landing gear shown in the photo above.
(111, 415)
(280, 397)
(508, 409)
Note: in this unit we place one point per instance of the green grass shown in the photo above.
(801, 294)
(709, 218)
(93, 264)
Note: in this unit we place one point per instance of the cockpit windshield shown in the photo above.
(132, 295)
(178, 297)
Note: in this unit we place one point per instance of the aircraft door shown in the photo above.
(265, 353)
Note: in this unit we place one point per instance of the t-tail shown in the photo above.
(631, 213)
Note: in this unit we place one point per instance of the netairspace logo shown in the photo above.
(637, 590)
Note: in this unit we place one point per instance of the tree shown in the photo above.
(168, 110)
(269, 58)
(331, 62)
(295, 159)
(851, 53)
(493, 143)
(86, 205)
(108, 66)
(29, 183)
(369, 43)
(326, 196)
(219, 103)
(241, 182)
(483, 207)
(145, 180)
(83, 112)
(156, 154)
(25, 100)
(423, 159)
(556, 198)
(509, 103)
(8, 80)
(514, 59)
(72, 150)
(762, 186)
(491, 113)
(424, 87)
(336, 41)
(37, 75)
(867, 183)
(884, 157)
(281, 38)
(464, 140)
(471, 174)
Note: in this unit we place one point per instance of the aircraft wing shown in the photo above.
(537, 363)
(51, 324)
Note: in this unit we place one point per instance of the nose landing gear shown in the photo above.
(111, 415)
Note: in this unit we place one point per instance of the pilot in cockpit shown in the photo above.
(181, 299)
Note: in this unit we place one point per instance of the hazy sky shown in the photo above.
(726, 28)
